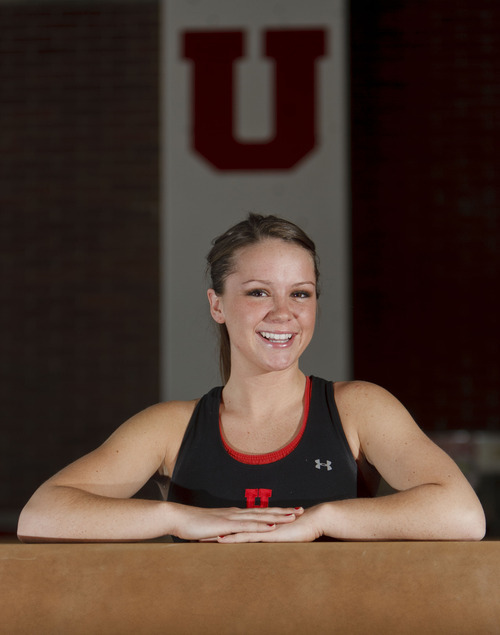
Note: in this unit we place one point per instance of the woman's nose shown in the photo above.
(281, 310)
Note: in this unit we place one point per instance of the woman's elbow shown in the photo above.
(477, 525)
(471, 522)
(30, 524)
(25, 525)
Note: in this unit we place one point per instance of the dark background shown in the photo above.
(79, 210)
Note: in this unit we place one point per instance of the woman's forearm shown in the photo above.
(69, 513)
(425, 512)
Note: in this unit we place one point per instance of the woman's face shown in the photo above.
(268, 305)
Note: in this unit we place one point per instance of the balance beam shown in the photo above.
(384, 587)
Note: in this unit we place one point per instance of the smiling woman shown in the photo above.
(272, 455)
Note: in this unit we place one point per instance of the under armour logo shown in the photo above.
(327, 464)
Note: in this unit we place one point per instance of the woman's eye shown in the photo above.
(301, 294)
(257, 293)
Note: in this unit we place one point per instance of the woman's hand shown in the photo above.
(305, 528)
(212, 524)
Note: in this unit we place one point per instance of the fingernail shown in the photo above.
(273, 524)
(289, 514)
(298, 508)
(222, 537)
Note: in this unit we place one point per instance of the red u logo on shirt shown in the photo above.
(263, 495)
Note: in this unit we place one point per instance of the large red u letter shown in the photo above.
(213, 54)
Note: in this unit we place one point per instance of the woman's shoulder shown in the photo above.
(371, 410)
(359, 392)
(162, 424)
(165, 419)
(170, 411)
(361, 402)
(164, 415)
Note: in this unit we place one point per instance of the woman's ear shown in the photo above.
(215, 302)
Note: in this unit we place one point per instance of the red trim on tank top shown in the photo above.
(271, 457)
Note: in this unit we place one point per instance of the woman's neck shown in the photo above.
(260, 393)
(263, 413)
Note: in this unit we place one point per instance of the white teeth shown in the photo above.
(276, 337)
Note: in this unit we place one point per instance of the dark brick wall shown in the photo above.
(79, 230)
(425, 199)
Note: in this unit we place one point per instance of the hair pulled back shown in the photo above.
(221, 260)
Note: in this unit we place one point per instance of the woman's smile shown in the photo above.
(277, 339)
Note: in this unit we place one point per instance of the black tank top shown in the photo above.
(317, 466)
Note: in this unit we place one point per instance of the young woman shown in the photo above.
(272, 455)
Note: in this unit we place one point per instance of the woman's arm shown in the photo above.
(90, 499)
(433, 501)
